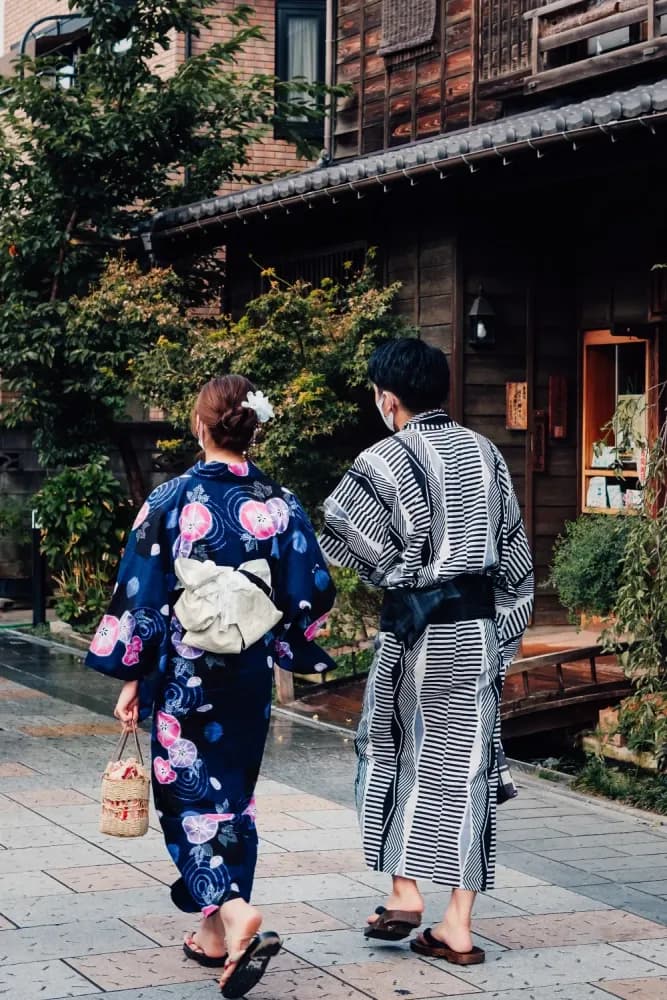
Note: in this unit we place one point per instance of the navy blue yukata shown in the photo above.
(211, 713)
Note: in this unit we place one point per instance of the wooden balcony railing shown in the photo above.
(532, 45)
(504, 38)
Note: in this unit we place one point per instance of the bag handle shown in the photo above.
(125, 735)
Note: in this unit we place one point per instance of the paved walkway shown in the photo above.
(580, 909)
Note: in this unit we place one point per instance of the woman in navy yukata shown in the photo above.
(211, 713)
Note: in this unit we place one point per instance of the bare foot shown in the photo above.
(455, 936)
(241, 922)
(209, 939)
(408, 899)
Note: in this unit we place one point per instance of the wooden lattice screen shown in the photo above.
(504, 37)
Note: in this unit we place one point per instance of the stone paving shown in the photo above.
(580, 908)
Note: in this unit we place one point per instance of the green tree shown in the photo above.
(640, 610)
(82, 170)
(307, 348)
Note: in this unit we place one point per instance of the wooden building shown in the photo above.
(503, 150)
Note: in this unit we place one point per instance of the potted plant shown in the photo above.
(586, 566)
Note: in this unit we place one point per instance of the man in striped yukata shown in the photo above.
(429, 515)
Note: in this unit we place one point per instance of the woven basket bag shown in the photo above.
(125, 788)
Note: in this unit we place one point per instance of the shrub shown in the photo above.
(637, 788)
(640, 610)
(357, 611)
(82, 593)
(83, 517)
(15, 521)
(587, 563)
(307, 348)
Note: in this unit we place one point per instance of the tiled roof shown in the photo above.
(501, 137)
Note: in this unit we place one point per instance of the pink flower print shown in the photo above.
(106, 636)
(256, 519)
(167, 729)
(251, 810)
(279, 512)
(238, 468)
(141, 516)
(284, 649)
(314, 627)
(221, 817)
(132, 651)
(195, 522)
(163, 771)
(200, 829)
(182, 753)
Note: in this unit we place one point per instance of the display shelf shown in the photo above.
(625, 474)
(609, 510)
(615, 369)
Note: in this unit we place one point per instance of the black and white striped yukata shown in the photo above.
(415, 510)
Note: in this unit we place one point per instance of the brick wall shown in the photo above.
(271, 154)
(20, 14)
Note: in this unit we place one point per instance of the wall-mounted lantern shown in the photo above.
(482, 323)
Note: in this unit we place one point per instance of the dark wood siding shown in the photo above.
(400, 98)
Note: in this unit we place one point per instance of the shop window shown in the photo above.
(618, 417)
(301, 55)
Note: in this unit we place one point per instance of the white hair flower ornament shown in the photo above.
(258, 402)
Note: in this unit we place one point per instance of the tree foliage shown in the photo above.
(84, 167)
(307, 348)
(587, 561)
(83, 516)
(640, 609)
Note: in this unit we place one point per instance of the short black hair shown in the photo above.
(413, 370)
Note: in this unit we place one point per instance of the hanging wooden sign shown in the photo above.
(557, 407)
(516, 406)
(538, 444)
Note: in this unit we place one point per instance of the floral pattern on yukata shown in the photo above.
(211, 713)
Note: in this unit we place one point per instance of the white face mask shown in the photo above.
(387, 419)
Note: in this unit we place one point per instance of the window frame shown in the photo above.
(285, 10)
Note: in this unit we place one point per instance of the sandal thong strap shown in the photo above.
(393, 925)
(199, 955)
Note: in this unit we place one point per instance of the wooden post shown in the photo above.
(456, 361)
(650, 20)
(284, 685)
(534, 45)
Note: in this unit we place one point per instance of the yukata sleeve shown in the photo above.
(304, 592)
(130, 637)
(514, 582)
(359, 531)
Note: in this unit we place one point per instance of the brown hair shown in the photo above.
(219, 408)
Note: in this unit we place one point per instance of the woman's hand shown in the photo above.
(127, 706)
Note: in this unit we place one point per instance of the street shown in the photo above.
(579, 911)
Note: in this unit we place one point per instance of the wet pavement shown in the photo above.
(579, 911)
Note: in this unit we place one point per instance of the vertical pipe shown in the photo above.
(529, 488)
(330, 77)
(38, 575)
(457, 389)
(474, 73)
